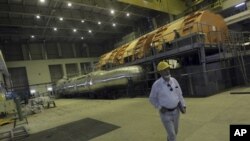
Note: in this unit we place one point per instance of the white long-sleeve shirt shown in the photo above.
(162, 96)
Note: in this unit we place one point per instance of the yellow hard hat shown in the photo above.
(162, 66)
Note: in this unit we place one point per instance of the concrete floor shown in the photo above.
(207, 119)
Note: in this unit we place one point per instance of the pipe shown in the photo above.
(99, 80)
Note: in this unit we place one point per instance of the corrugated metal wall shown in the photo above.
(71, 70)
(20, 84)
(56, 72)
(54, 50)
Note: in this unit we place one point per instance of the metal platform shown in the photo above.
(219, 65)
(224, 56)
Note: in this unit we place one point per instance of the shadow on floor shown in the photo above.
(82, 130)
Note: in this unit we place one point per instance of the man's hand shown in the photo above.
(184, 110)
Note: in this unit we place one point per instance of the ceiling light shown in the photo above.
(32, 91)
(90, 31)
(42, 1)
(74, 30)
(82, 38)
(69, 4)
(113, 24)
(49, 89)
(99, 22)
(55, 29)
(127, 14)
(246, 43)
(38, 16)
(112, 11)
(241, 4)
(61, 18)
(82, 21)
(32, 36)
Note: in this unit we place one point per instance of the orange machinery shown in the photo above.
(211, 25)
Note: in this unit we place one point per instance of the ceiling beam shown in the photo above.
(61, 28)
(106, 5)
(48, 21)
(88, 16)
(23, 36)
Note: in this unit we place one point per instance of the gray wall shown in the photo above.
(38, 71)
(38, 58)
(51, 50)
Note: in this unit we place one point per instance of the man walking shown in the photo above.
(166, 96)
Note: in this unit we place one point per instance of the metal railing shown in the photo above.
(193, 84)
(201, 36)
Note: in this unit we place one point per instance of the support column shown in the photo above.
(7, 81)
(154, 23)
(248, 4)
(155, 70)
(203, 62)
(151, 25)
(190, 84)
(171, 18)
(64, 70)
(85, 67)
(44, 51)
(59, 49)
(92, 66)
(79, 69)
(24, 52)
(87, 49)
(74, 50)
(28, 49)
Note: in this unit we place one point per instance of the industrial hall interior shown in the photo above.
(123, 70)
